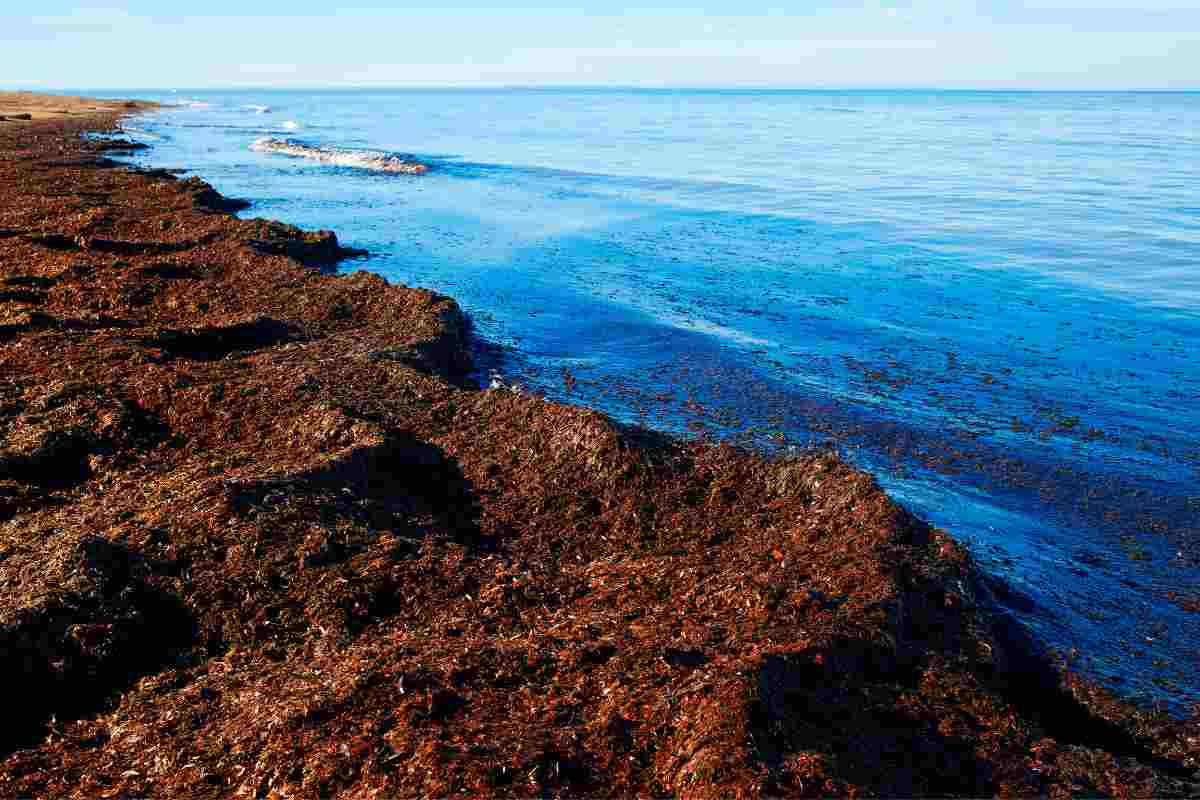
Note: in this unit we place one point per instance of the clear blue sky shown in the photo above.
(952, 43)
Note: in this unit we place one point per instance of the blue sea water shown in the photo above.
(990, 300)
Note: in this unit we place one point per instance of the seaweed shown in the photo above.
(261, 538)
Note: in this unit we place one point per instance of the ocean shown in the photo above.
(990, 300)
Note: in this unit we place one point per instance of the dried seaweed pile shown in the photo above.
(259, 539)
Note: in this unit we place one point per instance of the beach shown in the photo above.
(985, 300)
(28, 106)
(264, 537)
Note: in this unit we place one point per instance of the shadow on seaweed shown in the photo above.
(401, 492)
(60, 458)
(384, 486)
(32, 281)
(1024, 673)
(419, 478)
(72, 655)
(841, 700)
(216, 342)
(171, 272)
(1031, 682)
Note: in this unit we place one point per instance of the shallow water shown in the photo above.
(991, 300)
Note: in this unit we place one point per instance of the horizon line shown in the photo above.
(327, 86)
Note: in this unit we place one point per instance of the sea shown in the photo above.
(989, 300)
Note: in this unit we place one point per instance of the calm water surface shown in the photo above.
(991, 300)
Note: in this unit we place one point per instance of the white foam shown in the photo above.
(292, 125)
(259, 109)
(362, 159)
(129, 129)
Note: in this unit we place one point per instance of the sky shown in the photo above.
(1044, 44)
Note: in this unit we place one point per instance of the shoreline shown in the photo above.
(235, 481)
(31, 106)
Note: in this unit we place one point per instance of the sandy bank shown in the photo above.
(16, 107)
(257, 538)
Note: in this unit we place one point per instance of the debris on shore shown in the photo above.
(259, 537)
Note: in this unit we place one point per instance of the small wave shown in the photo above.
(255, 129)
(363, 159)
(130, 130)
(292, 125)
(836, 110)
(183, 102)
(259, 109)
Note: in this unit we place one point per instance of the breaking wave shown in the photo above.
(363, 159)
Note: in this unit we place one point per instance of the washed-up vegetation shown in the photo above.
(261, 538)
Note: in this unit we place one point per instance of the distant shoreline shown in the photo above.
(467, 88)
(15, 106)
